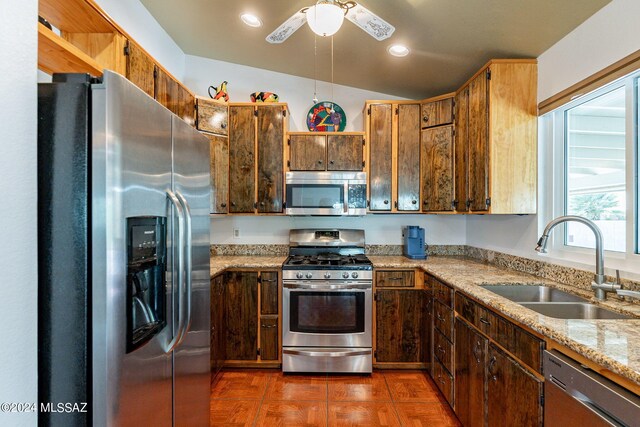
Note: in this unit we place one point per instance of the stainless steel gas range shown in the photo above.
(327, 302)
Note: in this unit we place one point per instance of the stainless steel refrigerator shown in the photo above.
(123, 257)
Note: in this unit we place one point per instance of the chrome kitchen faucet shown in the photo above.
(599, 286)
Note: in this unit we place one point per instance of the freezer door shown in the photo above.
(191, 357)
(131, 174)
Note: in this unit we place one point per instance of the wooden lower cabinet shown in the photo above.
(218, 325)
(470, 375)
(514, 395)
(251, 312)
(399, 320)
(241, 313)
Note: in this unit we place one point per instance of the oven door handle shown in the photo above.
(327, 353)
(328, 287)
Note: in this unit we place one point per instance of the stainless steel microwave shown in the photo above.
(326, 193)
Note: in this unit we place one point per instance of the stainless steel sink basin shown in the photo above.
(573, 310)
(527, 293)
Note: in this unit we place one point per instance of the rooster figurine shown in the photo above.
(221, 92)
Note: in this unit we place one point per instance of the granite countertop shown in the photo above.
(613, 344)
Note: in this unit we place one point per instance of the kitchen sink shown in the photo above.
(527, 293)
(573, 310)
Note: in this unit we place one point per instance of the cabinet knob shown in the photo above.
(261, 203)
(424, 202)
(386, 202)
(319, 162)
(223, 126)
(413, 202)
(469, 201)
(331, 162)
(224, 205)
(233, 203)
(425, 118)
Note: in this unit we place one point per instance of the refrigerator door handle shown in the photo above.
(180, 282)
(188, 261)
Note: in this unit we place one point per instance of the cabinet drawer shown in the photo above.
(528, 348)
(443, 350)
(269, 292)
(442, 292)
(444, 381)
(395, 279)
(212, 116)
(466, 308)
(443, 319)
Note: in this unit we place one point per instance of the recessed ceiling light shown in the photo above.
(251, 20)
(398, 50)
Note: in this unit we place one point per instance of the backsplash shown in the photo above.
(566, 275)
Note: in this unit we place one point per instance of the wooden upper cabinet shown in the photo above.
(504, 377)
(307, 152)
(166, 90)
(461, 154)
(436, 113)
(108, 49)
(437, 169)
(219, 148)
(380, 156)
(478, 144)
(344, 152)
(270, 137)
(408, 157)
(241, 159)
(212, 116)
(140, 68)
(186, 108)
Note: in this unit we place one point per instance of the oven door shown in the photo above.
(327, 315)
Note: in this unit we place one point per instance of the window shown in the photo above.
(595, 168)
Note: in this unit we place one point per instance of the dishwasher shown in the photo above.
(577, 396)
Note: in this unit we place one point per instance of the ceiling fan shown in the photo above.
(326, 17)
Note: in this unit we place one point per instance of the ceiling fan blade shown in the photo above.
(289, 27)
(377, 27)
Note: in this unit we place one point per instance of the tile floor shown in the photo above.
(386, 398)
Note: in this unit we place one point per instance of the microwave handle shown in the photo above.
(346, 197)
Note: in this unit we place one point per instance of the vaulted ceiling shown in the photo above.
(449, 39)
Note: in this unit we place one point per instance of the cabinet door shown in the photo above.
(140, 69)
(478, 143)
(213, 116)
(219, 148)
(344, 152)
(399, 319)
(437, 113)
(437, 169)
(461, 145)
(270, 169)
(269, 292)
(241, 159)
(166, 90)
(427, 328)
(186, 108)
(217, 324)
(241, 314)
(470, 376)
(307, 152)
(408, 157)
(380, 170)
(513, 391)
(269, 338)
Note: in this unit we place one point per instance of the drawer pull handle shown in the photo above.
(440, 349)
(492, 374)
(395, 278)
(269, 280)
(440, 318)
(485, 321)
(268, 326)
(476, 352)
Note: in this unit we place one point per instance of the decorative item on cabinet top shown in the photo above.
(264, 97)
(221, 94)
(326, 116)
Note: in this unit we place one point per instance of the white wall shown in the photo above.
(606, 37)
(136, 20)
(18, 251)
(379, 229)
(297, 92)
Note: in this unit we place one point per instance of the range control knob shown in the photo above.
(354, 275)
(309, 275)
(327, 275)
(345, 275)
(299, 275)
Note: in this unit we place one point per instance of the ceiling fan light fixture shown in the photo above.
(325, 18)
(251, 20)
(398, 50)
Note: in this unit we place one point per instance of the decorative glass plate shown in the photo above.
(326, 116)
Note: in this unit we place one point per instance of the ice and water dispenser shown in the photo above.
(146, 288)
